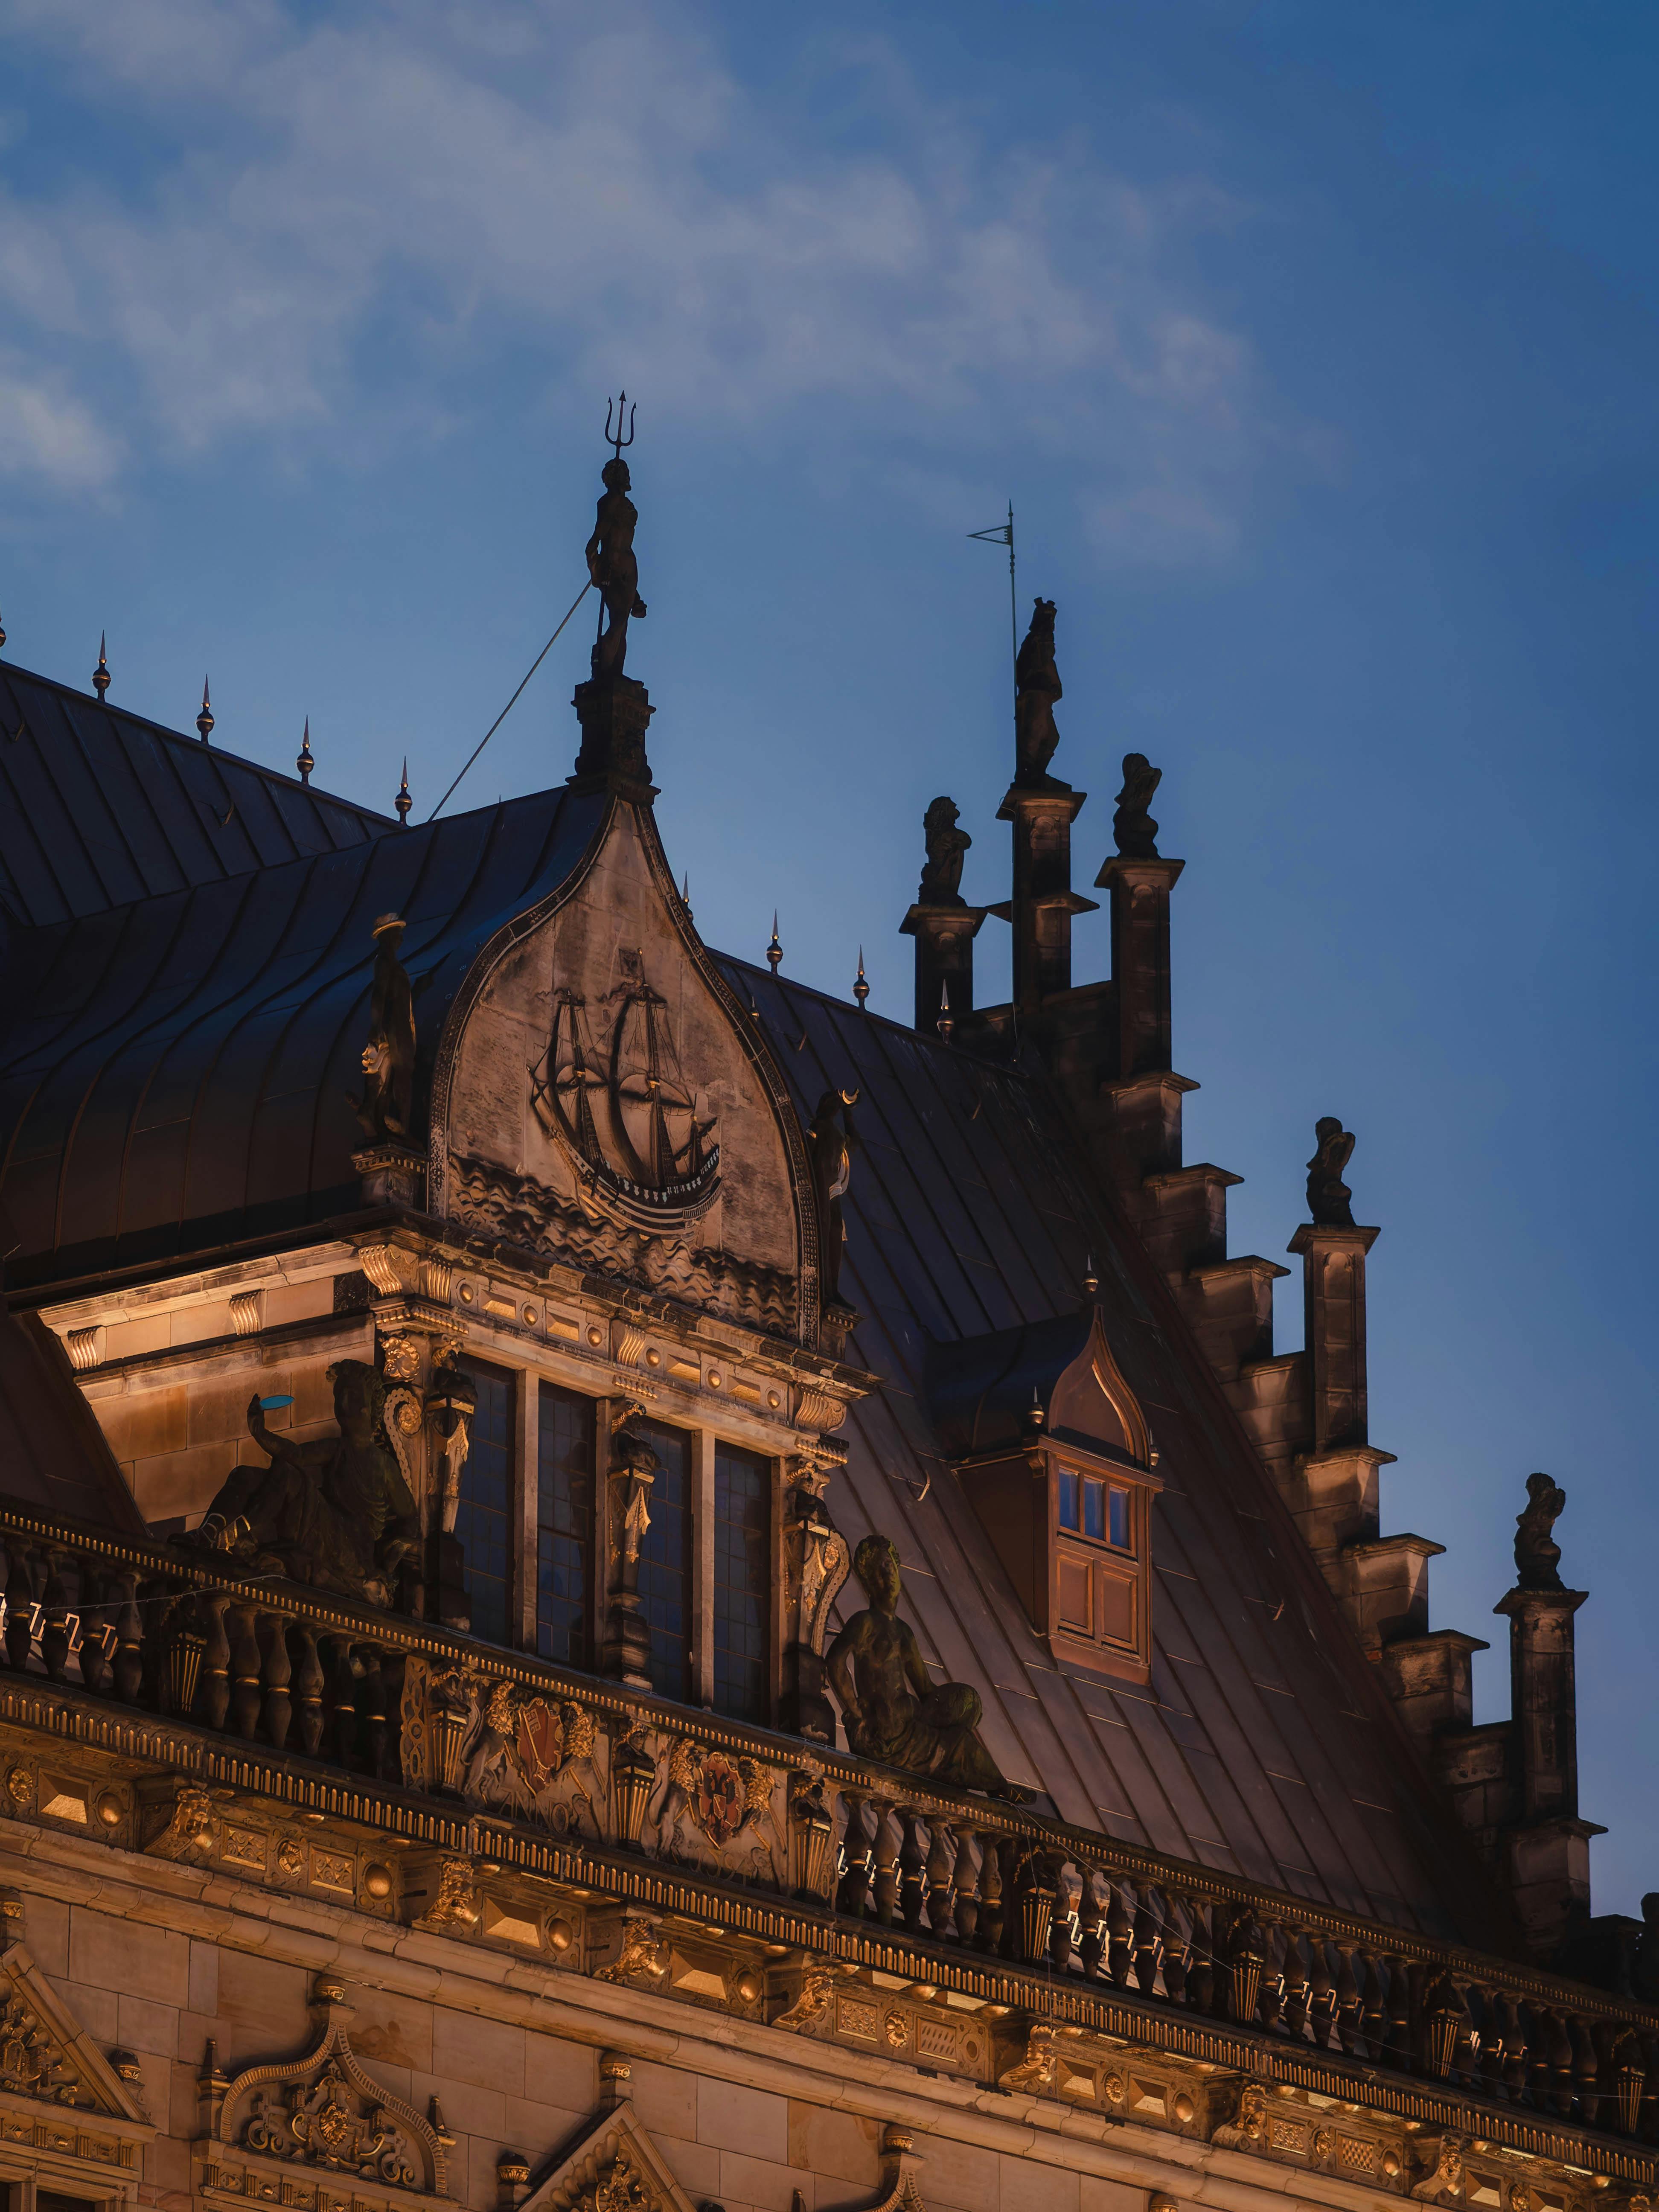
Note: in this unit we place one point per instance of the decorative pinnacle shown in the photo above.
(204, 720)
(307, 759)
(685, 894)
(945, 1023)
(775, 951)
(861, 984)
(403, 802)
(3, 634)
(100, 674)
(1091, 1279)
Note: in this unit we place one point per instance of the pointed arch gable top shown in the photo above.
(986, 1392)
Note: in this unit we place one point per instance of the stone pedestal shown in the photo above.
(1140, 892)
(1044, 903)
(613, 711)
(1334, 1301)
(944, 958)
(392, 1174)
(1548, 1846)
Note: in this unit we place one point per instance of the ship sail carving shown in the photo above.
(620, 1109)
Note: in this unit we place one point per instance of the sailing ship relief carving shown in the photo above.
(610, 1091)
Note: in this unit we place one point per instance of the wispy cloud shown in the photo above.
(414, 183)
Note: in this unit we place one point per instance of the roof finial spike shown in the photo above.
(861, 985)
(1090, 1279)
(945, 1023)
(403, 802)
(775, 951)
(204, 720)
(100, 674)
(685, 894)
(3, 634)
(307, 760)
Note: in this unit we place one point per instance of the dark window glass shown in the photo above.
(1118, 1526)
(1094, 1508)
(484, 1519)
(743, 1487)
(666, 1564)
(1068, 1488)
(564, 1525)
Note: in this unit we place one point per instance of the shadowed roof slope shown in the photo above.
(53, 1455)
(99, 806)
(1262, 1746)
(177, 1072)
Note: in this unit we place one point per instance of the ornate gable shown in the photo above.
(318, 2133)
(614, 2166)
(46, 2055)
(600, 1097)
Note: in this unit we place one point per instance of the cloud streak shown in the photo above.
(396, 192)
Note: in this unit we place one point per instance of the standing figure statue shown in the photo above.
(1328, 1194)
(1037, 687)
(941, 874)
(894, 1710)
(335, 1512)
(1133, 830)
(386, 1110)
(612, 568)
(833, 1145)
(1537, 1554)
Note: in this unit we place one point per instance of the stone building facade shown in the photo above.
(627, 1587)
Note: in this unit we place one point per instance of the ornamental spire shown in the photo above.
(100, 674)
(307, 759)
(204, 720)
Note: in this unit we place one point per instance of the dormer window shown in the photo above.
(1054, 1454)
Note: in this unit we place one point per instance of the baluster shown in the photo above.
(54, 1618)
(1091, 1926)
(911, 1863)
(853, 1896)
(344, 1703)
(1373, 2021)
(1295, 1985)
(965, 1902)
(887, 1865)
(990, 1892)
(1322, 1994)
(1397, 2048)
(244, 1670)
(1119, 1935)
(97, 1637)
(366, 1662)
(1586, 2070)
(1145, 1939)
(212, 1606)
(1200, 1973)
(1271, 1999)
(1060, 1929)
(1347, 2002)
(1559, 2045)
(1540, 2081)
(128, 1638)
(309, 1690)
(20, 1603)
(278, 1674)
(1514, 2051)
(1491, 2045)
(1177, 1949)
(940, 1857)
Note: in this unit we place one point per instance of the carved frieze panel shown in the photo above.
(722, 1812)
(501, 1748)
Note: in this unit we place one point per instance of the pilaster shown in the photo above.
(1430, 1678)
(1044, 903)
(1140, 892)
(1334, 1303)
(1542, 1699)
(613, 711)
(944, 958)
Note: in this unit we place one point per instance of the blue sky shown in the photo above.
(1316, 349)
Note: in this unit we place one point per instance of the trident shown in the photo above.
(618, 441)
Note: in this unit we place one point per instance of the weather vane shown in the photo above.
(1002, 534)
(617, 441)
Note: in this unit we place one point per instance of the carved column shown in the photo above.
(944, 959)
(1044, 903)
(626, 1649)
(1334, 1305)
(1139, 895)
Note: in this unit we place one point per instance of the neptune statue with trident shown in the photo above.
(610, 564)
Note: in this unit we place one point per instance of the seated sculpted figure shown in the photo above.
(335, 1512)
(894, 1710)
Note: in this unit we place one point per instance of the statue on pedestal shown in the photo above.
(612, 566)
(335, 1512)
(386, 1109)
(832, 1143)
(1037, 687)
(1328, 1194)
(941, 876)
(1133, 830)
(894, 1710)
(1537, 1554)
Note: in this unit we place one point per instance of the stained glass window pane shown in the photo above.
(666, 1564)
(564, 1525)
(743, 1489)
(484, 1519)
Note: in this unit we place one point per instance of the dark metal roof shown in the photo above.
(980, 1389)
(53, 1455)
(174, 1074)
(1263, 1744)
(98, 807)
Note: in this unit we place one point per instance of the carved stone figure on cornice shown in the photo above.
(941, 876)
(1037, 687)
(641, 1956)
(1443, 2183)
(385, 1108)
(832, 1143)
(894, 1710)
(336, 1512)
(817, 1985)
(1133, 830)
(1035, 2071)
(192, 1831)
(1328, 1194)
(817, 1563)
(456, 1904)
(1248, 2127)
(1537, 1554)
